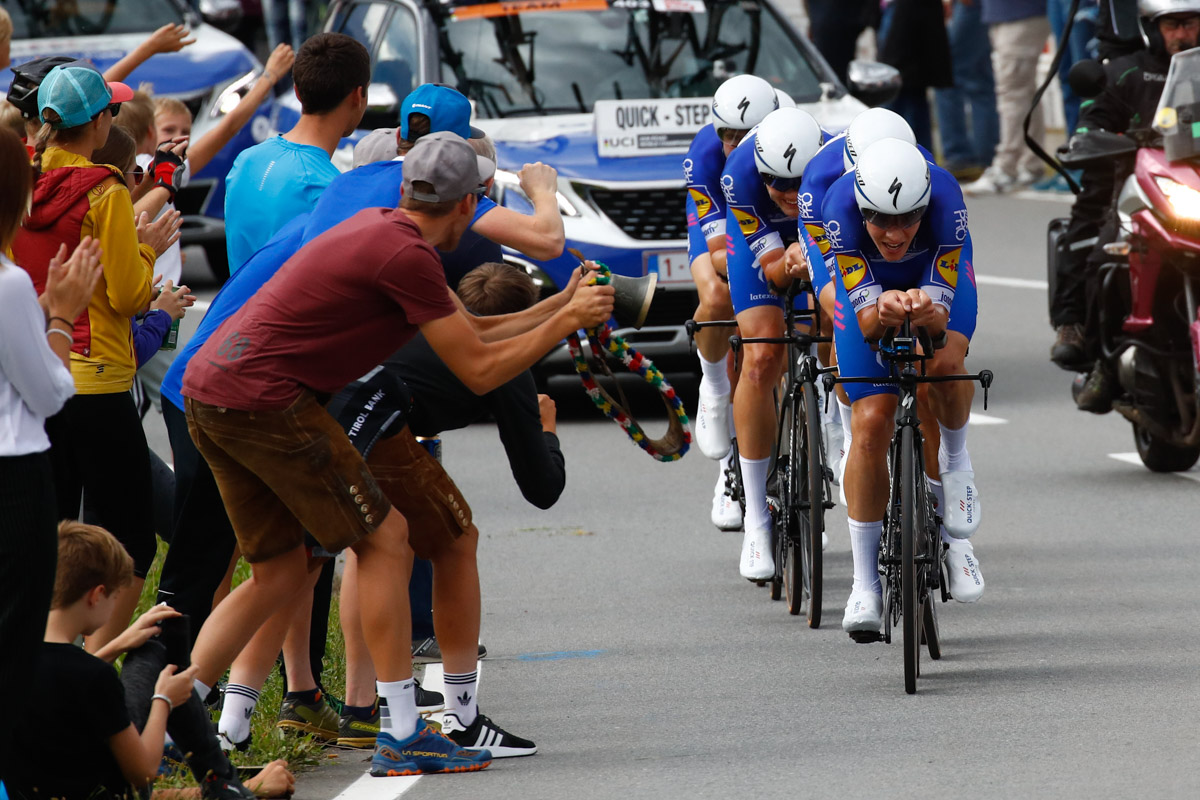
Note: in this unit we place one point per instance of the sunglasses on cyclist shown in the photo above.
(887, 221)
(731, 135)
(780, 184)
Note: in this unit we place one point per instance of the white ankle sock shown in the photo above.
(939, 494)
(202, 688)
(236, 712)
(864, 543)
(715, 379)
(460, 696)
(952, 453)
(754, 484)
(844, 410)
(399, 716)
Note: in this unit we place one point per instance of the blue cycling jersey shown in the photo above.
(702, 174)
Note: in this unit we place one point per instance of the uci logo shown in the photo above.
(687, 170)
(727, 187)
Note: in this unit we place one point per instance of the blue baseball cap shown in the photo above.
(77, 93)
(447, 108)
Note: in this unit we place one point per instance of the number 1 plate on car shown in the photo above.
(671, 265)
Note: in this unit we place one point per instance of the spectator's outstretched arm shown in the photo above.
(169, 38)
(539, 235)
(203, 149)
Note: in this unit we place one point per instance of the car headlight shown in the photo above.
(229, 95)
(511, 182)
(1185, 201)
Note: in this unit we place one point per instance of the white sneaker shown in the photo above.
(726, 514)
(962, 512)
(966, 581)
(864, 612)
(712, 425)
(992, 181)
(758, 560)
(1027, 177)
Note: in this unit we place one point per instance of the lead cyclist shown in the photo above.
(738, 105)
(897, 227)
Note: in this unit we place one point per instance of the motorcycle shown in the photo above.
(1149, 290)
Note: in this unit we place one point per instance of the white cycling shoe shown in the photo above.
(726, 514)
(966, 580)
(758, 559)
(712, 424)
(864, 612)
(962, 512)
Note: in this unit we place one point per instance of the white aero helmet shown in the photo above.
(742, 102)
(783, 99)
(868, 128)
(891, 184)
(783, 145)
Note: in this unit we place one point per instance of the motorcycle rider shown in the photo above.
(1133, 86)
(738, 105)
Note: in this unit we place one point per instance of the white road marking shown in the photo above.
(985, 419)
(1012, 283)
(1132, 458)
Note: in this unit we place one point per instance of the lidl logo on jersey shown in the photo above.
(747, 221)
(852, 269)
(703, 202)
(817, 232)
(947, 265)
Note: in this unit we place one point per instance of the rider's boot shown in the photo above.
(966, 579)
(726, 512)
(961, 510)
(714, 409)
(1068, 350)
(1098, 391)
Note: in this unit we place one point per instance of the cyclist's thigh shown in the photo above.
(855, 357)
(748, 286)
(696, 244)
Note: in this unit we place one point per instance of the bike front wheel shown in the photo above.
(812, 506)
(909, 591)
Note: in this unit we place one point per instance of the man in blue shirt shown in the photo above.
(284, 176)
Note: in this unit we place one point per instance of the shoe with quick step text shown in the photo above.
(961, 515)
(712, 424)
(358, 732)
(483, 733)
(758, 559)
(864, 615)
(726, 512)
(426, 752)
(966, 580)
(317, 718)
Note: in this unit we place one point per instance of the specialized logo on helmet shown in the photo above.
(703, 202)
(894, 191)
(743, 107)
(747, 221)
(947, 265)
(852, 269)
(789, 154)
(817, 232)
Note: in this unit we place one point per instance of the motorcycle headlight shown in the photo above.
(511, 182)
(229, 95)
(1185, 201)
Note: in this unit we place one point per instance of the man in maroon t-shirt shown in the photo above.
(254, 401)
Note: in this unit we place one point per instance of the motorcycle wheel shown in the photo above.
(1160, 456)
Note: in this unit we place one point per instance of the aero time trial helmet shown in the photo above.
(891, 184)
(783, 145)
(784, 99)
(742, 102)
(868, 128)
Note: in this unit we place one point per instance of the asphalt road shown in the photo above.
(622, 640)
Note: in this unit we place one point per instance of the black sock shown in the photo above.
(362, 712)
(308, 696)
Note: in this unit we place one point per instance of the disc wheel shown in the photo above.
(812, 506)
(910, 593)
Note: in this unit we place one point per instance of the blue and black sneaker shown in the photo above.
(424, 753)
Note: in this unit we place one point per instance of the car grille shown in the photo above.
(644, 214)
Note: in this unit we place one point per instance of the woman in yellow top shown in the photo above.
(97, 441)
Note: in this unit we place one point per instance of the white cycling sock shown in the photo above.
(952, 452)
(864, 544)
(715, 379)
(398, 714)
(754, 484)
(844, 410)
(939, 494)
(461, 690)
(236, 712)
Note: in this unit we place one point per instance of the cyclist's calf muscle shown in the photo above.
(713, 343)
(866, 477)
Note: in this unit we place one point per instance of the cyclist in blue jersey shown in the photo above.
(897, 227)
(833, 160)
(759, 186)
(738, 105)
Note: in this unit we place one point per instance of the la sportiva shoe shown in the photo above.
(355, 731)
(426, 752)
(864, 612)
(966, 581)
(317, 718)
(758, 559)
(428, 702)
(712, 424)
(963, 511)
(726, 513)
(485, 733)
(426, 651)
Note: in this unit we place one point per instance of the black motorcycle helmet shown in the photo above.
(1149, 12)
(27, 77)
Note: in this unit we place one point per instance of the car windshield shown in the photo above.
(39, 19)
(1178, 114)
(563, 61)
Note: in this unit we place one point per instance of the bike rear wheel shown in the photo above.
(812, 505)
(910, 593)
(793, 566)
